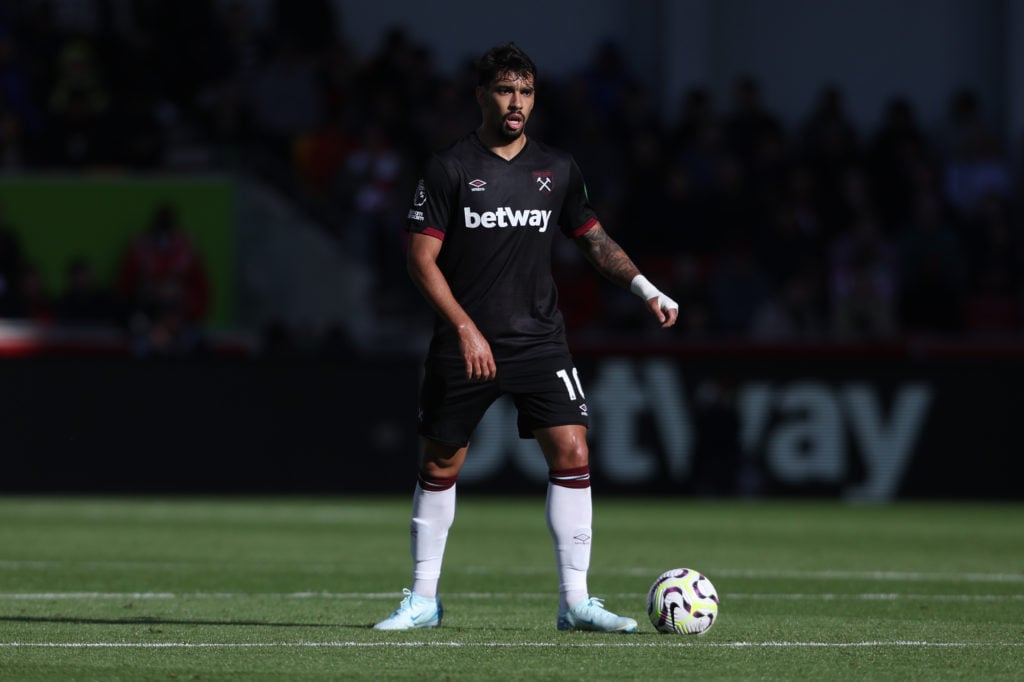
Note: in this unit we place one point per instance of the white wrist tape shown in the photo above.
(643, 288)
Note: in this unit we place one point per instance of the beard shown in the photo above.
(508, 133)
(511, 135)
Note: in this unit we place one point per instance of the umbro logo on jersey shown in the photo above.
(543, 180)
(507, 217)
(477, 185)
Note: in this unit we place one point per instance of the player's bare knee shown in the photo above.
(441, 468)
(570, 456)
(439, 460)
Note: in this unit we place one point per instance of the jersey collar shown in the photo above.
(487, 150)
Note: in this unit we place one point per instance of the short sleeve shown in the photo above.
(578, 215)
(432, 201)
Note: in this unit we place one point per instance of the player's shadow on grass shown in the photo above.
(144, 620)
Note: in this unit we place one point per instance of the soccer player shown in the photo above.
(482, 224)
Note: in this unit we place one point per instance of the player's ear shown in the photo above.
(481, 91)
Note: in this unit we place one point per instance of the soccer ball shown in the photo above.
(682, 602)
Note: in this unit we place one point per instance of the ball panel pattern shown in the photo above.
(682, 601)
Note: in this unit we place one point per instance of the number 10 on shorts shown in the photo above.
(564, 376)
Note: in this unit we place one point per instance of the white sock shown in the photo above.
(433, 513)
(569, 515)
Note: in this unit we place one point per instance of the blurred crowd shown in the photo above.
(760, 229)
(158, 299)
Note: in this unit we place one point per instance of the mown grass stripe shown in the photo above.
(827, 574)
(757, 596)
(669, 642)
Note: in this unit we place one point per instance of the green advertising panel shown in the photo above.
(59, 219)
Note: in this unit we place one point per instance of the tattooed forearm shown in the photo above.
(607, 256)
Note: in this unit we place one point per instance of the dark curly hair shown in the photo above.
(507, 58)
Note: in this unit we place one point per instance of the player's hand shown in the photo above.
(665, 309)
(477, 354)
(660, 305)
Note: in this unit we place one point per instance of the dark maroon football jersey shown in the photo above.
(497, 220)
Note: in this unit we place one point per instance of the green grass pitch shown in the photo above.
(286, 589)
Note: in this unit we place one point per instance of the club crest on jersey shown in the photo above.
(477, 185)
(543, 179)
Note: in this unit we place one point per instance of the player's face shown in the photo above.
(506, 105)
